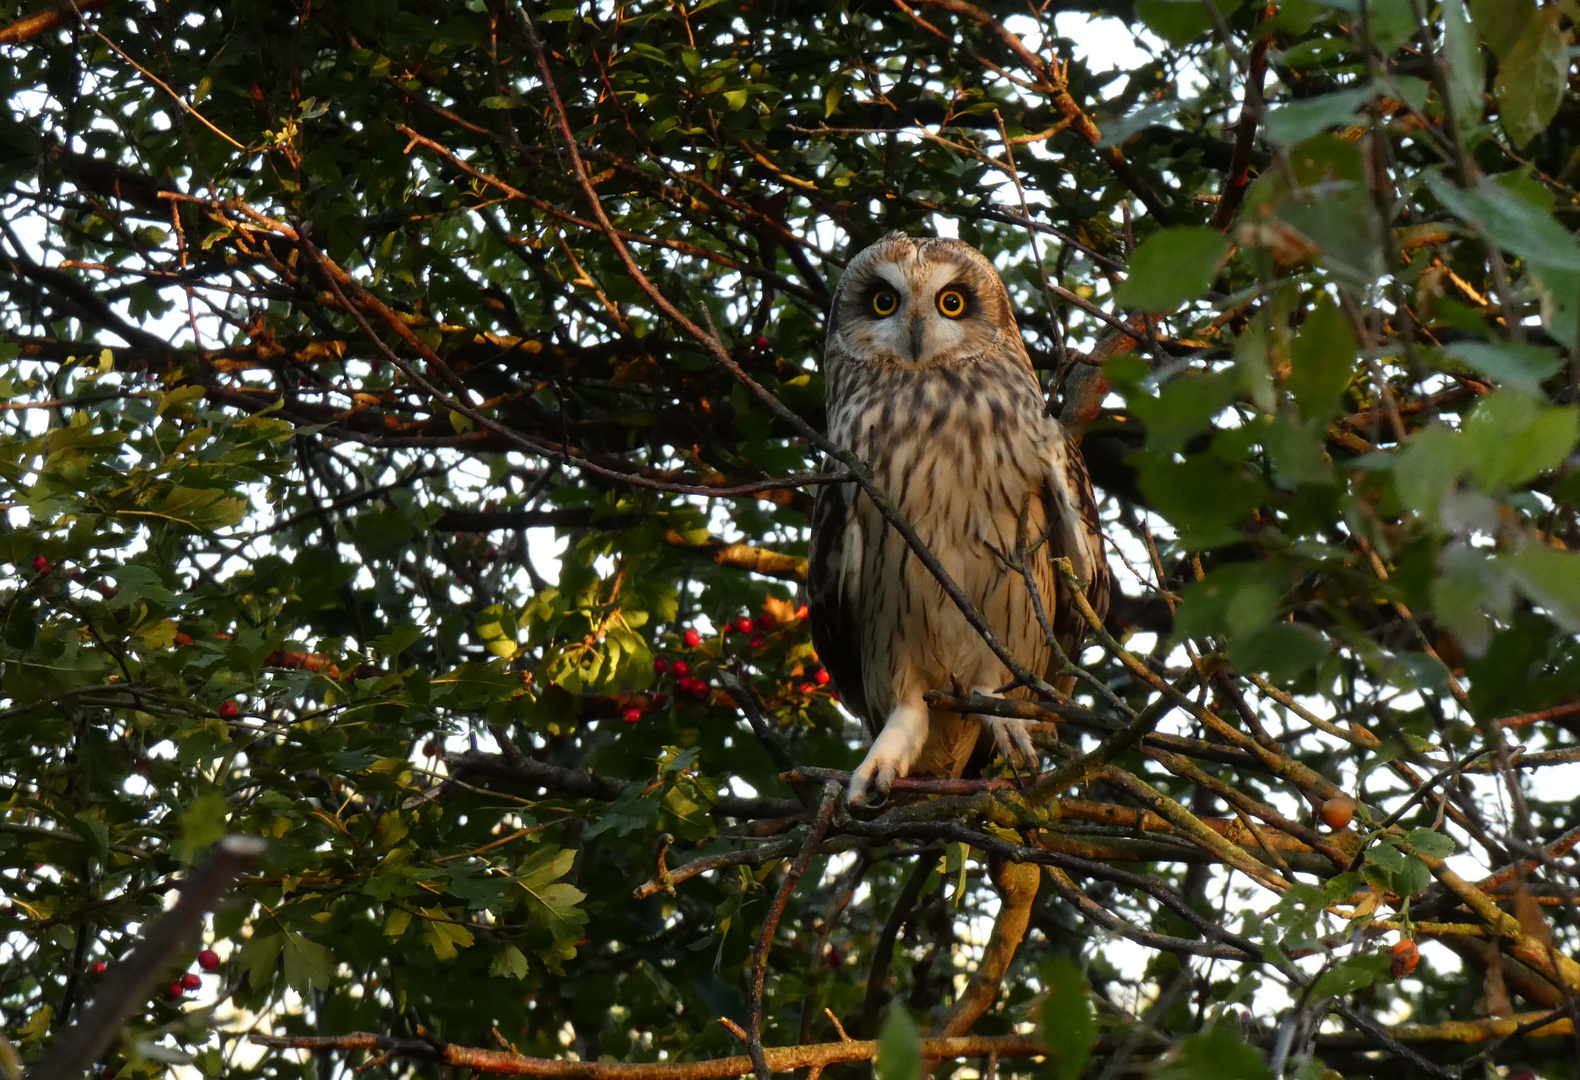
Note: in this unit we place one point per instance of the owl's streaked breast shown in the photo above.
(962, 450)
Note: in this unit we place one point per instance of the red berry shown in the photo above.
(431, 748)
(660, 665)
(683, 685)
(208, 960)
(682, 669)
(765, 621)
(800, 612)
(98, 967)
(490, 553)
(807, 688)
(821, 676)
(757, 642)
(377, 365)
(745, 626)
(632, 715)
(692, 638)
(762, 342)
(41, 564)
(229, 709)
(660, 700)
(176, 989)
(191, 981)
(836, 957)
(699, 689)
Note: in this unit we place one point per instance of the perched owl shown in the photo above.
(929, 383)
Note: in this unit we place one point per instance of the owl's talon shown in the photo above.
(891, 755)
(1013, 740)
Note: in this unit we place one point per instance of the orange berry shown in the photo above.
(1337, 812)
(1405, 957)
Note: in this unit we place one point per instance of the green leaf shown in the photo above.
(1509, 221)
(1184, 407)
(1321, 361)
(1180, 22)
(1386, 856)
(307, 963)
(1502, 22)
(202, 823)
(1216, 1054)
(899, 1047)
(1551, 578)
(1511, 438)
(444, 937)
(399, 638)
(510, 963)
(1434, 845)
(497, 628)
(1065, 1021)
(1519, 367)
(1532, 77)
(1297, 122)
(1172, 266)
(1466, 70)
(1392, 22)
(1351, 974)
(259, 955)
(1282, 650)
(1411, 878)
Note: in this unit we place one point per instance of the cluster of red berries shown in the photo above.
(684, 683)
(208, 960)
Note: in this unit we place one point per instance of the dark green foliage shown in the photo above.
(315, 359)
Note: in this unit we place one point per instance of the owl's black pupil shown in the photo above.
(952, 302)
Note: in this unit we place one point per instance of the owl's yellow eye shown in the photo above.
(884, 302)
(952, 303)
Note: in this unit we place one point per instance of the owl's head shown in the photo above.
(921, 302)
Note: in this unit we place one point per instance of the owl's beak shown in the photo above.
(916, 338)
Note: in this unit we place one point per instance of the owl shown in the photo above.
(928, 382)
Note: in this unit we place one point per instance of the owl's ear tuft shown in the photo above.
(893, 234)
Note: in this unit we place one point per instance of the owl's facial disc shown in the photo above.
(915, 312)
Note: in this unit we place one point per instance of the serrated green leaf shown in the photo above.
(1434, 845)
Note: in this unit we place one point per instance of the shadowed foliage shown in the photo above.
(410, 414)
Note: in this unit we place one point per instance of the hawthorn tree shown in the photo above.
(411, 414)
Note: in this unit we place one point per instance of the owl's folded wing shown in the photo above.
(836, 632)
(1075, 533)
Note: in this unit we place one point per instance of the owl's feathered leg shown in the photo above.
(892, 754)
(1010, 736)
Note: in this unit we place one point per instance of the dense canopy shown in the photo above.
(410, 414)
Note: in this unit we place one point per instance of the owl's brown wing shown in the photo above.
(835, 631)
(1074, 532)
